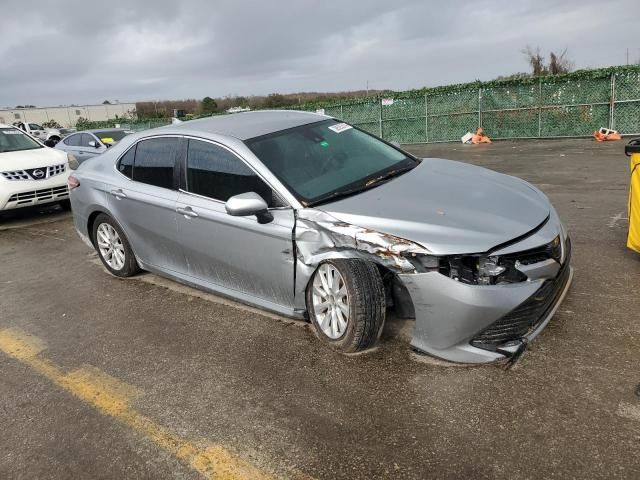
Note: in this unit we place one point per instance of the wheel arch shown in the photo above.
(396, 294)
(91, 220)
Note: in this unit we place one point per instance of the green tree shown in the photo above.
(208, 106)
(83, 123)
(51, 124)
(275, 100)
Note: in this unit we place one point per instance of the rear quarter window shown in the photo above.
(125, 164)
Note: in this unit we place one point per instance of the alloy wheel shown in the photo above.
(110, 246)
(330, 301)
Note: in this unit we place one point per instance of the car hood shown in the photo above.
(447, 207)
(40, 157)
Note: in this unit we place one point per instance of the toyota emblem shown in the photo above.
(38, 174)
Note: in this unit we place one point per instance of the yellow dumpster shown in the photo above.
(632, 150)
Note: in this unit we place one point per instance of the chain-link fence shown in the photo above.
(570, 105)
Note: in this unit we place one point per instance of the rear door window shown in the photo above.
(215, 172)
(73, 140)
(154, 162)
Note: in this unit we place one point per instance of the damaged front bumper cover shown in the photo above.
(478, 324)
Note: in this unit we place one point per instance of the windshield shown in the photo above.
(110, 136)
(13, 140)
(327, 159)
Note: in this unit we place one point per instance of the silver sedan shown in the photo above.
(90, 143)
(310, 217)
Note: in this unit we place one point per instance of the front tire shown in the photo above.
(113, 247)
(346, 304)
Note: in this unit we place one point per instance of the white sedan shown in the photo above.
(31, 173)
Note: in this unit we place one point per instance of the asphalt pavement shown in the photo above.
(144, 378)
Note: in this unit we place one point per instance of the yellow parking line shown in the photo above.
(112, 398)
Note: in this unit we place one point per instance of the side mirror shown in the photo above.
(246, 204)
(50, 143)
(93, 143)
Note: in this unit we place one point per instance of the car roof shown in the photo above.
(106, 129)
(245, 125)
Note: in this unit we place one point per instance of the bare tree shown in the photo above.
(536, 61)
(558, 63)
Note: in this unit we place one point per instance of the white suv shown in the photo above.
(30, 173)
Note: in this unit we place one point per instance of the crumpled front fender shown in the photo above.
(319, 236)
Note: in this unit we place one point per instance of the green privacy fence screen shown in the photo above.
(569, 105)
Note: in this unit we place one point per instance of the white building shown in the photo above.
(66, 116)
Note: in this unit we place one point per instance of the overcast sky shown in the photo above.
(67, 51)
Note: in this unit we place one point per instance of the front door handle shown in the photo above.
(187, 212)
(119, 194)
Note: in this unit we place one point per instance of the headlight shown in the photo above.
(73, 162)
(469, 269)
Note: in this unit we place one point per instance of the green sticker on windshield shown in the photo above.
(324, 143)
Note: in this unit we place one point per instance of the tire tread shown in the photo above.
(367, 303)
(131, 266)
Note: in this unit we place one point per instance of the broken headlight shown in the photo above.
(469, 269)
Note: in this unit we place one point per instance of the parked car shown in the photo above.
(89, 143)
(49, 135)
(311, 217)
(67, 131)
(31, 173)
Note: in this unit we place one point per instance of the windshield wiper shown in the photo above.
(389, 175)
(336, 194)
(360, 188)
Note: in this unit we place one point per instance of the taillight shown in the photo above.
(72, 182)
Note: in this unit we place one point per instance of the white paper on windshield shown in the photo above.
(340, 127)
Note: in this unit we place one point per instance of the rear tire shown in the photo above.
(113, 247)
(346, 304)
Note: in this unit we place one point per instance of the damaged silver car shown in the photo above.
(310, 217)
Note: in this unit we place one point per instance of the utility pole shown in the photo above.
(367, 88)
(627, 55)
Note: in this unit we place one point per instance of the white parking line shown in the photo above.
(628, 410)
(617, 218)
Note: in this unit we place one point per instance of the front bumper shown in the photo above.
(25, 193)
(478, 324)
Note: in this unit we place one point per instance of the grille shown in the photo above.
(528, 315)
(28, 174)
(56, 170)
(39, 195)
(16, 175)
(552, 249)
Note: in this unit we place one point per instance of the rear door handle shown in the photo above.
(119, 194)
(187, 212)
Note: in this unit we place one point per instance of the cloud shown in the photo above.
(83, 52)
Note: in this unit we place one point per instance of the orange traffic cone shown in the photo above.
(480, 137)
(604, 134)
